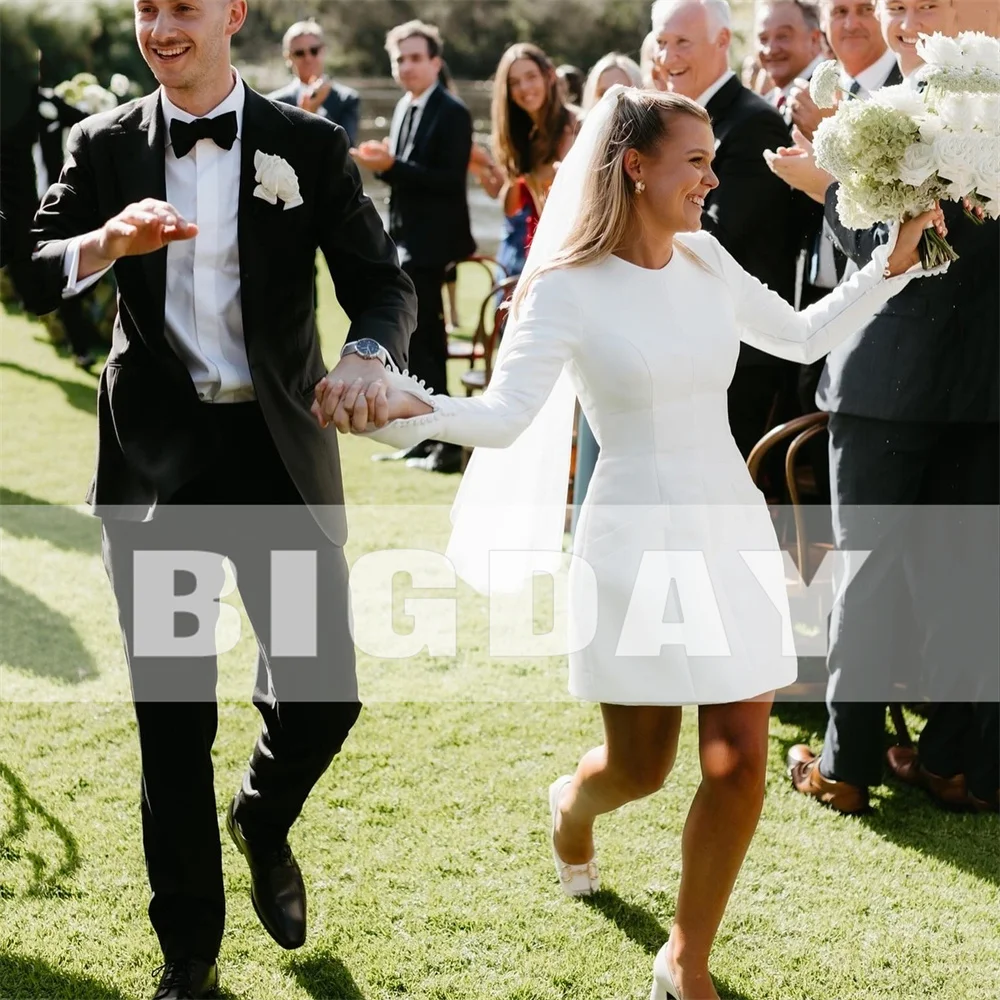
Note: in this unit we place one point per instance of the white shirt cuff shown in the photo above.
(71, 268)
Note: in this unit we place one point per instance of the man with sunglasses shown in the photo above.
(304, 48)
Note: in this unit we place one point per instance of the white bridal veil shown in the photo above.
(513, 500)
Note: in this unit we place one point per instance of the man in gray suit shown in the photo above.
(303, 48)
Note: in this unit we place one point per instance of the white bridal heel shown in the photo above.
(663, 981)
(576, 880)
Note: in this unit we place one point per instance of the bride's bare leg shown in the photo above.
(640, 743)
(719, 828)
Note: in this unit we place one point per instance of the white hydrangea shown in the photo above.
(824, 84)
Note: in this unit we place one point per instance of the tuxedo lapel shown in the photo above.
(261, 127)
(142, 174)
(723, 98)
(894, 78)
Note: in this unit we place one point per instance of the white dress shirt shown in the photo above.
(203, 319)
(419, 103)
(704, 98)
(872, 77)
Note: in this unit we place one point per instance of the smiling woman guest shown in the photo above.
(628, 304)
(533, 129)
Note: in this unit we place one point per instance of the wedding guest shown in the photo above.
(304, 48)
(204, 429)
(424, 162)
(652, 78)
(913, 426)
(751, 212)
(533, 129)
(571, 81)
(606, 72)
(789, 45)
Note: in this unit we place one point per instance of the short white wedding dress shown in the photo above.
(650, 354)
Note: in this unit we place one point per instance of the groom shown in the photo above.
(207, 447)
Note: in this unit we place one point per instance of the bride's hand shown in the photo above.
(905, 254)
(348, 407)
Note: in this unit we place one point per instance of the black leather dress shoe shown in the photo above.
(445, 458)
(191, 979)
(277, 891)
(421, 450)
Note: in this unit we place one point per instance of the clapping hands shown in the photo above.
(796, 166)
(806, 116)
(373, 154)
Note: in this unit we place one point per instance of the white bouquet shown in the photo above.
(968, 64)
(85, 93)
(902, 150)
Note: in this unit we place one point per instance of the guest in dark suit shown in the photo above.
(425, 162)
(913, 404)
(203, 409)
(789, 46)
(303, 48)
(752, 213)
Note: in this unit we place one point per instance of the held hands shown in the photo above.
(905, 254)
(796, 166)
(373, 154)
(358, 393)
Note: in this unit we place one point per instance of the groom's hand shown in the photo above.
(352, 395)
(143, 227)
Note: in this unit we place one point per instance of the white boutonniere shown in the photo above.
(276, 179)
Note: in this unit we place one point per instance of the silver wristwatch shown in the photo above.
(368, 349)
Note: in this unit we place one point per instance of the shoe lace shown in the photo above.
(173, 975)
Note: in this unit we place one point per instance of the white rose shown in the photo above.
(276, 179)
(987, 113)
(918, 163)
(119, 85)
(954, 156)
(986, 166)
(940, 50)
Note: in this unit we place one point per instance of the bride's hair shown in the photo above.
(640, 120)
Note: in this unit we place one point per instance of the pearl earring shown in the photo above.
(640, 186)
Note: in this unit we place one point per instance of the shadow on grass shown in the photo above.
(31, 978)
(78, 394)
(906, 816)
(25, 516)
(326, 978)
(46, 881)
(642, 927)
(40, 640)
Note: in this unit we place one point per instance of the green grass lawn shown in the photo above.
(425, 846)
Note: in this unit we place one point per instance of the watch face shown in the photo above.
(368, 348)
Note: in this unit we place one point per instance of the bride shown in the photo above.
(644, 327)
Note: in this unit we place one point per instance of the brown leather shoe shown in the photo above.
(952, 793)
(803, 769)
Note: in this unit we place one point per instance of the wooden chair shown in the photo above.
(808, 556)
(486, 339)
(463, 347)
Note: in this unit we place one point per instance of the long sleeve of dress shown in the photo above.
(536, 346)
(770, 324)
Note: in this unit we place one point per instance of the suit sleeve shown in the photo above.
(375, 293)
(67, 211)
(448, 173)
(858, 244)
(748, 191)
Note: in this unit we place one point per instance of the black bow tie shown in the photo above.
(221, 130)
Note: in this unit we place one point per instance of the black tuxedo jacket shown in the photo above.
(150, 439)
(429, 207)
(753, 213)
(931, 354)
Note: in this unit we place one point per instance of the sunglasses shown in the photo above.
(313, 50)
